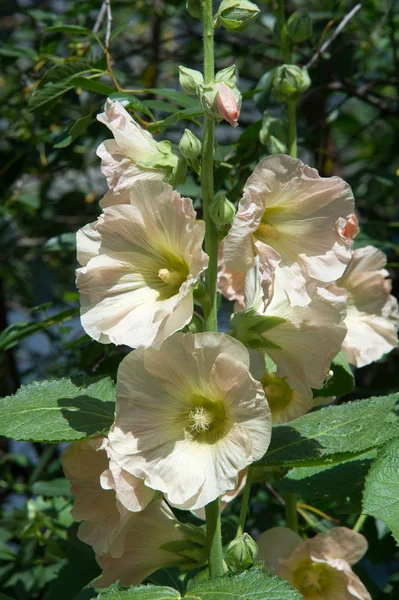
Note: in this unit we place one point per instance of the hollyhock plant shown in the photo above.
(133, 154)
(189, 417)
(372, 318)
(301, 341)
(320, 567)
(139, 263)
(291, 216)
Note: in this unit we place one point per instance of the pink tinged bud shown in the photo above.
(226, 104)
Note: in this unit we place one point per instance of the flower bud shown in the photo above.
(299, 27)
(189, 145)
(222, 210)
(235, 15)
(226, 104)
(273, 135)
(290, 82)
(241, 552)
(190, 80)
(194, 8)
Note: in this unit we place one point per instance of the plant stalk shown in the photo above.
(244, 504)
(292, 143)
(291, 516)
(212, 510)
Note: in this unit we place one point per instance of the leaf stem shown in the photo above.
(291, 517)
(244, 503)
(359, 523)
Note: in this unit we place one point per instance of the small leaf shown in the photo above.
(179, 115)
(141, 592)
(175, 96)
(72, 29)
(333, 434)
(17, 51)
(65, 71)
(53, 487)
(91, 85)
(44, 96)
(66, 242)
(342, 381)
(381, 492)
(58, 410)
(77, 129)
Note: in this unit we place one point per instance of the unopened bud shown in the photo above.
(241, 552)
(222, 210)
(190, 80)
(227, 75)
(226, 104)
(299, 27)
(235, 15)
(194, 8)
(273, 135)
(189, 145)
(290, 82)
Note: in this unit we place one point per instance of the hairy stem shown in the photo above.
(212, 510)
(244, 503)
(292, 144)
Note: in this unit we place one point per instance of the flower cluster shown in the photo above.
(194, 410)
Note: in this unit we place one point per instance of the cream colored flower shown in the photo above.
(319, 568)
(372, 318)
(228, 497)
(147, 538)
(291, 215)
(105, 519)
(123, 158)
(285, 403)
(301, 341)
(189, 417)
(139, 265)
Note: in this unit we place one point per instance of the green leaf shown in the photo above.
(72, 29)
(175, 96)
(44, 96)
(66, 242)
(91, 85)
(187, 113)
(12, 334)
(130, 101)
(341, 484)
(17, 51)
(65, 71)
(53, 487)
(381, 492)
(342, 381)
(333, 434)
(58, 410)
(77, 129)
(254, 584)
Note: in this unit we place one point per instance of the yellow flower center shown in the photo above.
(171, 275)
(266, 232)
(278, 393)
(207, 421)
(316, 580)
(172, 278)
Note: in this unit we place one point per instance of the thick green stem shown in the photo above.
(244, 503)
(292, 144)
(291, 517)
(214, 538)
(285, 40)
(212, 510)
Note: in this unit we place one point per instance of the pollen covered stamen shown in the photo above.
(267, 230)
(172, 278)
(200, 419)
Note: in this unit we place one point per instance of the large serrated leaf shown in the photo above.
(58, 410)
(340, 483)
(333, 434)
(381, 492)
(255, 584)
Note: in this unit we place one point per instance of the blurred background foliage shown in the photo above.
(54, 79)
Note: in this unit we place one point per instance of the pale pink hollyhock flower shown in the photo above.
(292, 216)
(226, 104)
(189, 417)
(105, 519)
(301, 341)
(228, 497)
(285, 403)
(121, 157)
(372, 318)
(320, 567)
(139, 264)
(143, 551)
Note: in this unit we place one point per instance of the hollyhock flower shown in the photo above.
(226, 104)
(139, 265)
(105, 519)
(292, 216)
(133, 154)
(301, 341)
(228, 497)
(319, 568)
(372, 318)
(189, 417)
(285, 403)
(148, 546)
